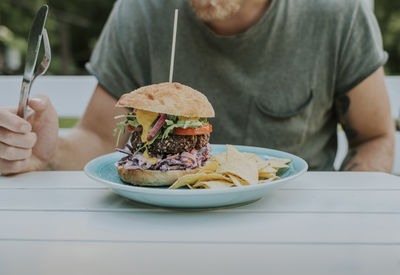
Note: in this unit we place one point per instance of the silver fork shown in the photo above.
(41, 69)
(44, 65)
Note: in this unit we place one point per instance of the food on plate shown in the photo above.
(169, 134)
(231, 169)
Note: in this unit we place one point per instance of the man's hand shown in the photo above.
(28, 145)
(365, 115)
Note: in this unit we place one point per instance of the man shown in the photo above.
(280, 74)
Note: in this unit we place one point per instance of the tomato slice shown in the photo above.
(206, 128)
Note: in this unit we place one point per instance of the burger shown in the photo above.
(169, 134)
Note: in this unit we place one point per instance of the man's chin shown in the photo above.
(216, 10)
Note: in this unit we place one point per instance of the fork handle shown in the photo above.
(23, 98)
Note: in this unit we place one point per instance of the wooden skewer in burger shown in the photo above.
(169, 134)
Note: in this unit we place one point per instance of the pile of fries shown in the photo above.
(231, 169)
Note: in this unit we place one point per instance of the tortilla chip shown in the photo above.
(267, 175)
(238, 165)
(267, 169)
(210, 167)
(279, 163)
(268, 180)
(233, 168)
(193, 178)
(254, 157)
(220, 158)
(213, 184)
(237, 181)
(189, 186)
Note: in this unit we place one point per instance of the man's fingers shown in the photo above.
(13, 153)
(12, 109)
(39, 103)
(18, 140)
(13, 122)
(12, 167)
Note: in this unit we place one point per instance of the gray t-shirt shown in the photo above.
(272, 86)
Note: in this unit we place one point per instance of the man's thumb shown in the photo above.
(39, 103)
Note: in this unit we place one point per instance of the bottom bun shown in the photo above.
(151, 177)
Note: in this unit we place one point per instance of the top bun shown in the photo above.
(168, 98)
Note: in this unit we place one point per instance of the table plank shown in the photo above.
(147, 258)
(345, 180)
(284, 200)
(49, 180)
(213, 227)
(310, 180)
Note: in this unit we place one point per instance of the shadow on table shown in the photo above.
(119, 203)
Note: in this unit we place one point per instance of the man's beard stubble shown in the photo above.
(216, 10)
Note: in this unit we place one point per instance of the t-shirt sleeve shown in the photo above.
(109, 61)
(361, 51)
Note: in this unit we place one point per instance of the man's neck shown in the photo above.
(249, 14)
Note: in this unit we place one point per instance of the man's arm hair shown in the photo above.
(92, 137)
(364, 113)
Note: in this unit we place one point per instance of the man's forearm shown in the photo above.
(76, 149)
(373, 155)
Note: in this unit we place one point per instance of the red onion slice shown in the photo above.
(157, 126)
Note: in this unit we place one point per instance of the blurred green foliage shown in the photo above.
(74, 26)
(67, 122)
(388, 15)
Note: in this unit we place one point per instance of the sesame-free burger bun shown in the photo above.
(151, 177)
(168, 98)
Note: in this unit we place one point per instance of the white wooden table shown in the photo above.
(321, 223)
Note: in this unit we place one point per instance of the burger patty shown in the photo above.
(173, 144)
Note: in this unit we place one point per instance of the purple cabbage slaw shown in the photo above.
(181, 161)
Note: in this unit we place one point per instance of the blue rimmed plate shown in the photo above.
(103, 170)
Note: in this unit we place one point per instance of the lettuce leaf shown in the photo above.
(130, 119)
(169, 125)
